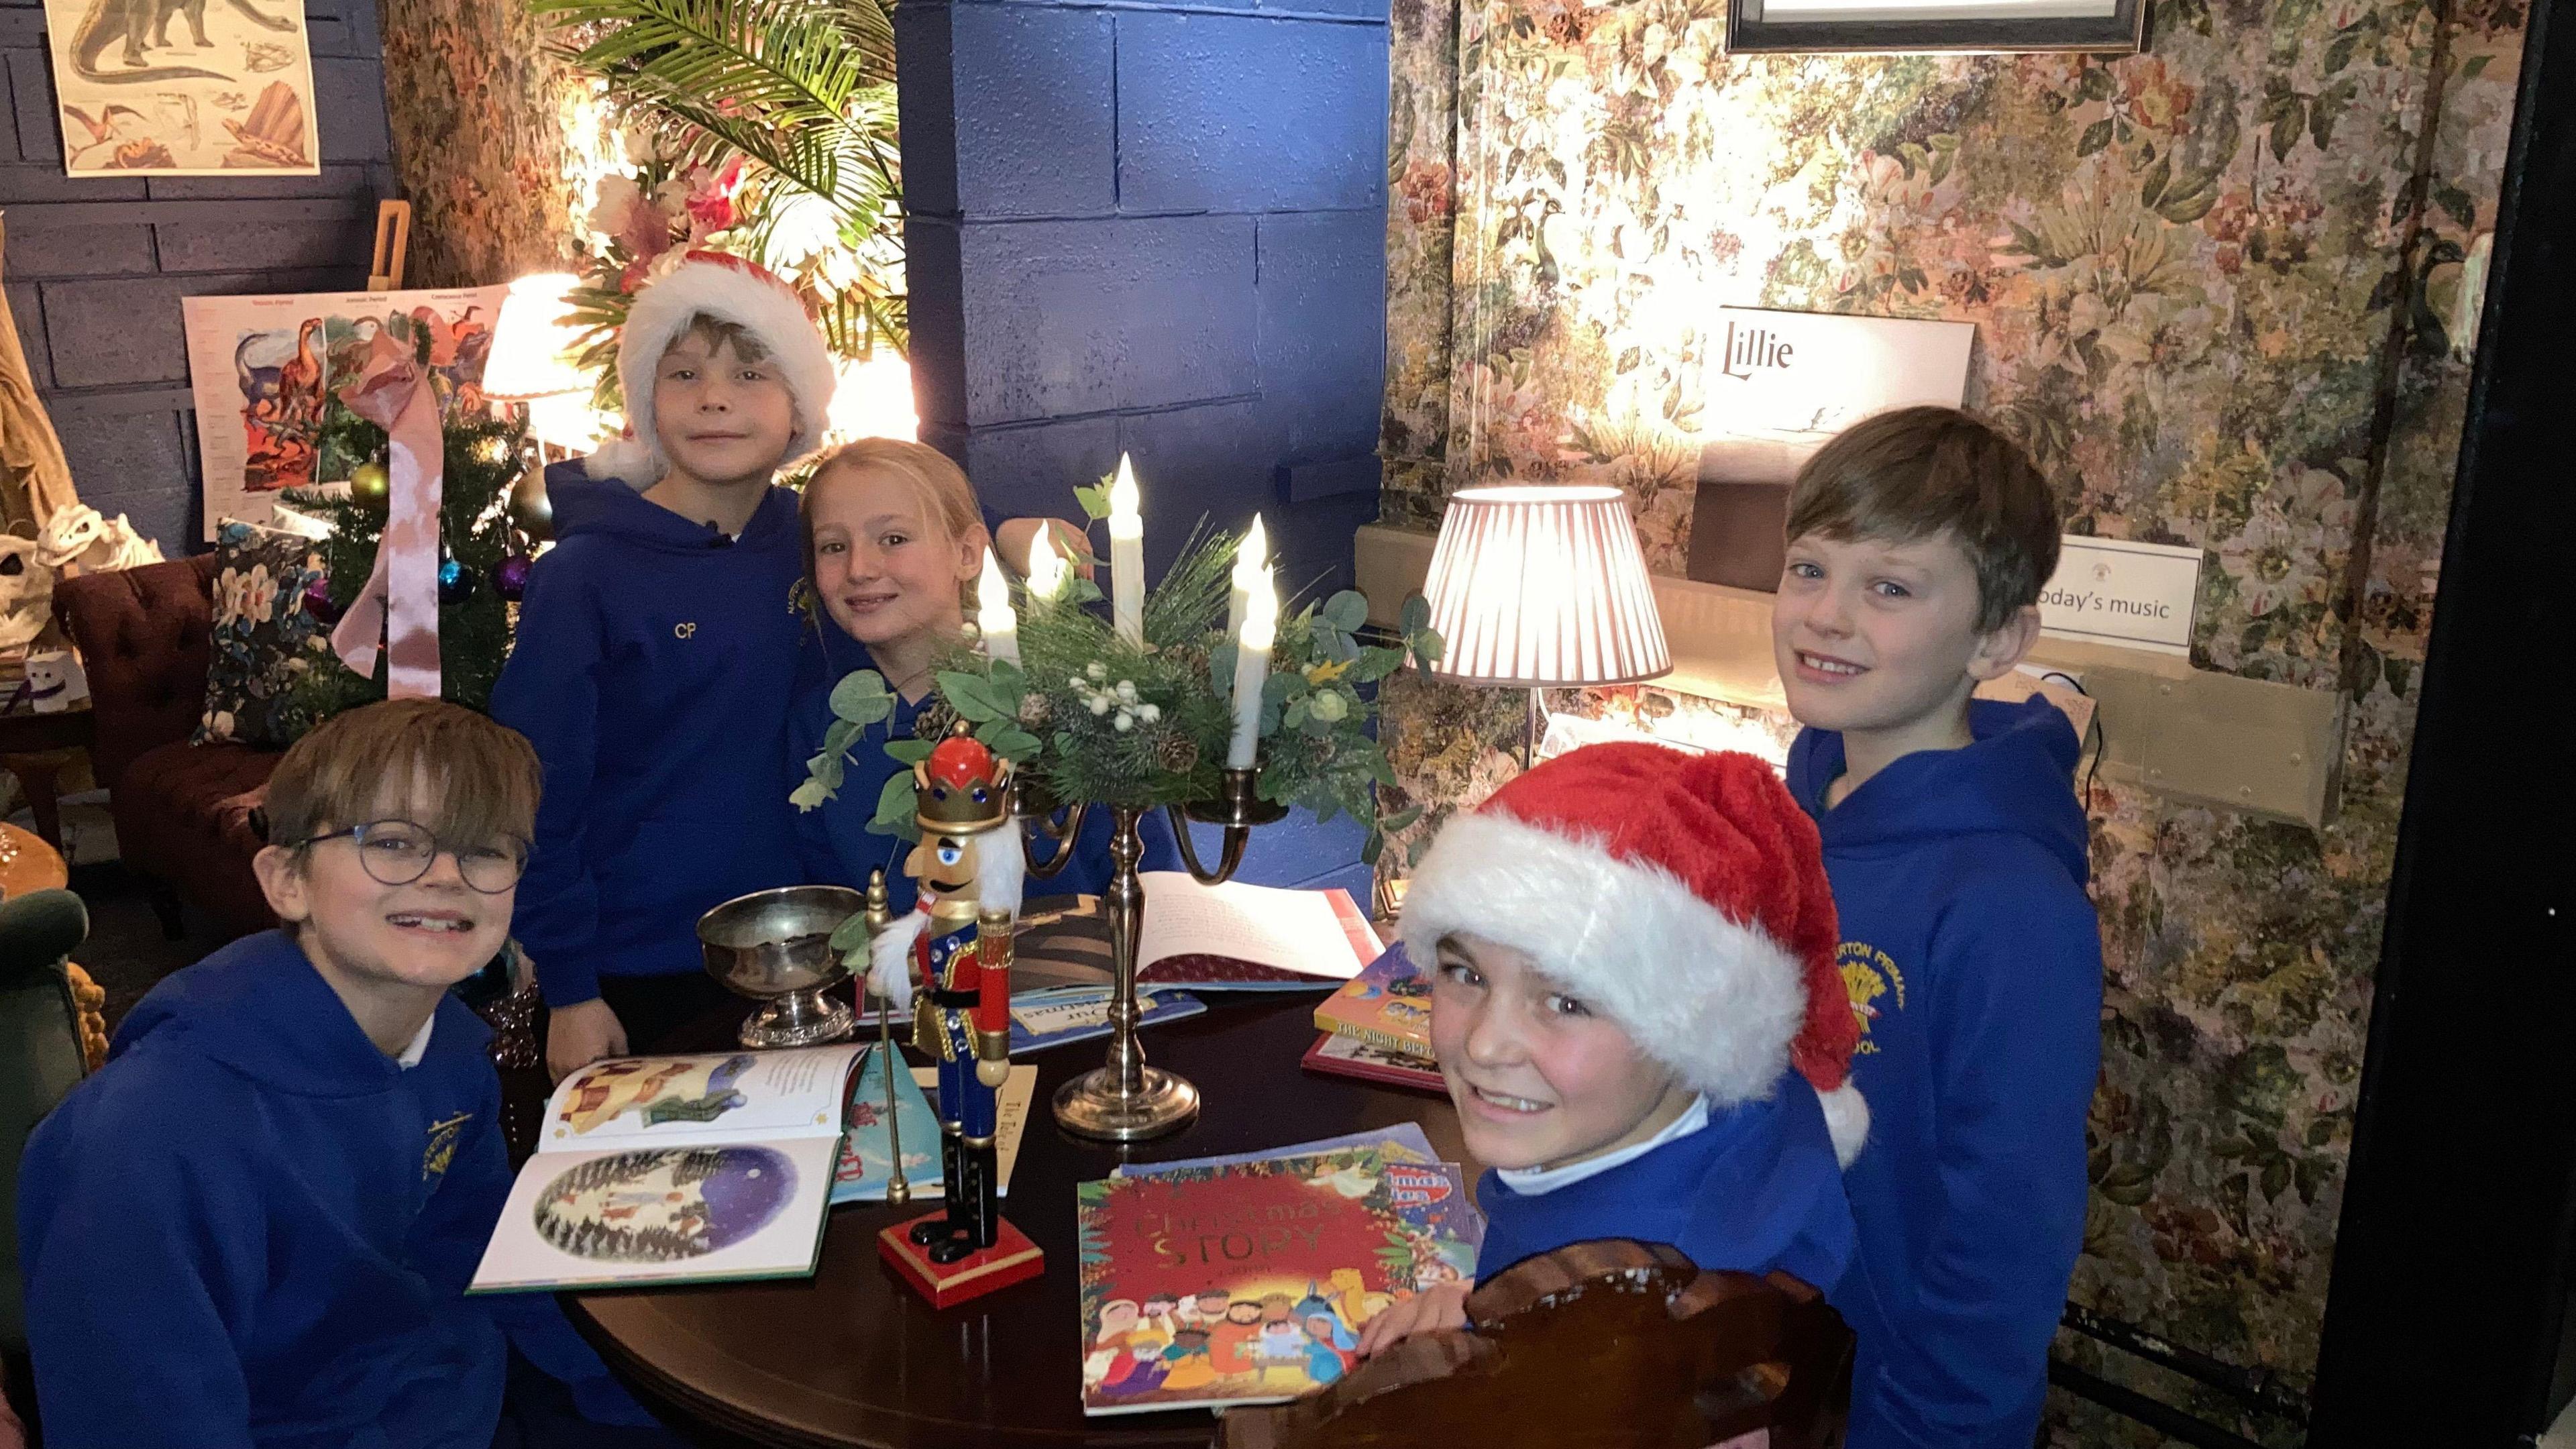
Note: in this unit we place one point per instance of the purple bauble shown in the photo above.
(510, 577)
(317, 602)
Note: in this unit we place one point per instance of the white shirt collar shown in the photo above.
(1531, 1181)
(410, 1056)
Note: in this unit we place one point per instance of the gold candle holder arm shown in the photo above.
(1238, 808)
(1031, 807)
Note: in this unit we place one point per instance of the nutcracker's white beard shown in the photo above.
(1001, 873)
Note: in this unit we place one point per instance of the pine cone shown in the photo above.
(1034, 711)
(933, 723)
(1177, 753)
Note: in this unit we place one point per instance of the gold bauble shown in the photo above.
(371, 486)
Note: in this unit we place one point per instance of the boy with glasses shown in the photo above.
(255, 1224)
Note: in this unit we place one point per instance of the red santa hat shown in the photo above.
(729, 289)
(1683, 896)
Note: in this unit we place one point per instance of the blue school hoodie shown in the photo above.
(1974, 959)
(653, 667)
(1754, 1190)
(252, 1227)
(833, 841)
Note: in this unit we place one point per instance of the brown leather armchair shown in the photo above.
(183, 811)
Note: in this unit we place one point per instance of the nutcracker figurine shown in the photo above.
(952, 959)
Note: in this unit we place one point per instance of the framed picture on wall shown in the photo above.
(181, 88)
(1804, 26)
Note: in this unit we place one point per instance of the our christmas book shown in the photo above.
(1342, 1056)
(1247, 1280)
(1388, 1005)
(865, 1166)
(1249, 938)
(682, 1169)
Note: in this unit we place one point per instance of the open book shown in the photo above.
(676, 1170)
(1247, 937)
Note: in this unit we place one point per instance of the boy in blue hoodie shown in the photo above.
(656, 648)
(1918, 543)
(1637, 1015)
(255, 1224)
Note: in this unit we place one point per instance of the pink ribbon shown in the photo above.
(400, 601)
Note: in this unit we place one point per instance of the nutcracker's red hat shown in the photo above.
(1683, 896)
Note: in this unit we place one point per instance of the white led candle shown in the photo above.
(1251, 670)
(994, 616)
(1251, 570)
(1047, 570)
(1126, 556)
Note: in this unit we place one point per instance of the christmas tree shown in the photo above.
(482, 558)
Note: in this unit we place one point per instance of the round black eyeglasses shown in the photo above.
(398, 852)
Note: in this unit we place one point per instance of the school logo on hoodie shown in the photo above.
(1870, 975)
(442, 1145)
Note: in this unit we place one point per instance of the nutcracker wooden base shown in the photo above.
(1011, 1259)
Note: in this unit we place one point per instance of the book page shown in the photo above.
(1286, 930)
(862, 1174)
(662, 1213)
(717, 1097)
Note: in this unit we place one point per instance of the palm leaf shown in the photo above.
(804, 89)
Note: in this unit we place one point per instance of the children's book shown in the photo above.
(1343, 1056)
(1247, 1282)
(1062, 1014)
(1388, 1005)
(1402, 1142)
(1248, 938)
(863, 1170)
(676, 1170)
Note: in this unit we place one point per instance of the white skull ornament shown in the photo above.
(26, 592)
(79, 534)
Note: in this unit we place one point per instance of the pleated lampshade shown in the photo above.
(1543, 587)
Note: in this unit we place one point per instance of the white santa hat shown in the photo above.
(1684, 896)
(729, 289)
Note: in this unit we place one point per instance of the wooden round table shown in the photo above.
(854, 1357)
(27, 863)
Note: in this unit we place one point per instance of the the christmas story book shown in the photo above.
(1242, 1281)
(678, 1169)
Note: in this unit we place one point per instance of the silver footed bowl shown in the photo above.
(774, 946)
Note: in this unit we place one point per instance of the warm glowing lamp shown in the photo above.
(1543, 588)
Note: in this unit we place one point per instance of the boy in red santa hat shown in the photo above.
(1637, 1013)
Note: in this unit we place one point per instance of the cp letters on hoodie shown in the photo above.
(652, 671)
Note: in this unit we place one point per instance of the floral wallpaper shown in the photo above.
(2215, 289)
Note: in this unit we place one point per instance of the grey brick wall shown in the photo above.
(96, 268)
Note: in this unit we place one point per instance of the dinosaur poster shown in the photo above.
(183, 87)
(262, 369)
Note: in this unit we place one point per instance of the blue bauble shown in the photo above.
(455, 585)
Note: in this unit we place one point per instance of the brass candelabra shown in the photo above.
(1124, 1100)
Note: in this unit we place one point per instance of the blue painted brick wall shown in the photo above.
(1157, 228)
(96, 267)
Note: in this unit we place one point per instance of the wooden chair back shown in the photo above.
(1614, 1344)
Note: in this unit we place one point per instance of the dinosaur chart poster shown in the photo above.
(262, 369)
(183, 87)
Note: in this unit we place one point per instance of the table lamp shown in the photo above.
(1543, 588)
(531, 361)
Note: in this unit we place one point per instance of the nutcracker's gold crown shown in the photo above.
(962, 788)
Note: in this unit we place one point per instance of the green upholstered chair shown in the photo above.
(40, 1058)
